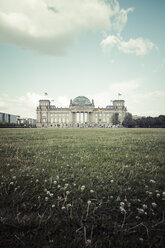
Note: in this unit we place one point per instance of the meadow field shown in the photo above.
(82, 188)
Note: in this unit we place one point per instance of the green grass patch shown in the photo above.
(82, 188)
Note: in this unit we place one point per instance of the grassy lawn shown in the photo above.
(82, 188)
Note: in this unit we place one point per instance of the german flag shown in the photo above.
(99, 109)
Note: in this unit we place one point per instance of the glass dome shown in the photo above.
(81, 100)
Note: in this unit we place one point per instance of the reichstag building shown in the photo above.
(80, 113)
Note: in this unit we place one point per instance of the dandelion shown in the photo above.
(89, 202)
(88, 242)
(11, 183)
(37, 180)
(140, 210)
(51, 194)
(46, 180)
(63, 208)
(122, 210)
(158, 195)
(58, 186)
(144, 206)
(67, 192)
(66, 185)
(152, 181)
(69, 205)
(122, 204)
(14, 177)
(57, 177)
(154, 204)
(53, 206)
(55, 182)
(46, 198)
(82, 188)
(137, 217)
(91, 191)
(163, 193)
(141, 239)
(112, 181)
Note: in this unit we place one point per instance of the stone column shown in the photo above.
(88, 119)
(79, 117)
(83, 117)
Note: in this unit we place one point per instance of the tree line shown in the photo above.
(144, 122)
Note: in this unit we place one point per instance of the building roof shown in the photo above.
(81, 100)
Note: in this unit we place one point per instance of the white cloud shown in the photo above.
(126, 88)
(137, 46)
(139, 103)
(52, 26)
(26, 105)
(120, 16)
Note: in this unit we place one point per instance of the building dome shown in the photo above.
(81, 100)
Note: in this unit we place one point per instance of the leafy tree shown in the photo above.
(128, 121)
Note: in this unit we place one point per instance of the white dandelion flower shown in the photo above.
(140, 210)
(82, 188)
(154, 204)
(144, 206)
(122, 204)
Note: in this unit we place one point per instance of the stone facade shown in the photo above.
(81, 113)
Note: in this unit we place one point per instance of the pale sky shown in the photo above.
(95, 48)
